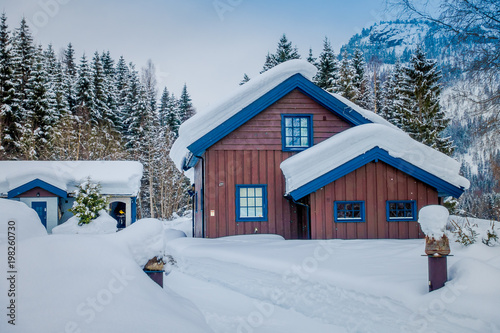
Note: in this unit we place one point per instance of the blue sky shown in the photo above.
(208, 44)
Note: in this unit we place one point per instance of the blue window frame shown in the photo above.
(401, 210)
(296, 131)
(349, 211)
(251, 203)
(196, 202)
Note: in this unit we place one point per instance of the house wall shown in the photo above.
(252, 155)
(374, 183)
(52, 210)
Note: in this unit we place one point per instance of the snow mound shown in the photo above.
(433, 220)
(316, 161)
(70, 283)
(27, 223)
(183, 223)
(203, 122)
(104, 224)
(144, 240)
(170, 234)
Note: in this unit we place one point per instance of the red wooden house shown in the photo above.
(283, 156)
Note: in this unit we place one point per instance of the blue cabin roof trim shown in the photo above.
(296, 81)
(36, 183)
(375, 154)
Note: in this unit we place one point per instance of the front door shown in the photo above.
(41, 209)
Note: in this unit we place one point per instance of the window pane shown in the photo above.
(401, 205)
(288, 122)
(408, 213)
(243, 192)
(304, 141)
(408, 205)
(296, 122)
(357, 214)
(258, 202)
(340, 214)
(296, 132)
(258, 192)
(251, 192)
(392, 213)
(392, 206)
(243, 212)
(289, 131)
(356, 206)
(303, 131)
(251, 202)
(258, 212)
(289, 141)
(348, 206)
(340, 206)
(243, 202)
(251, 212)
(401, 213)
(303, 122)
(296, 141)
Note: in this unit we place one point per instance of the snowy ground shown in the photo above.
(254, 283)
(262, 283)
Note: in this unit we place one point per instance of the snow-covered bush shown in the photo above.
(88, 202)
(466, 233)
(491, 236)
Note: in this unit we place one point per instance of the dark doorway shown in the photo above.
(41, 209)
(117, 211)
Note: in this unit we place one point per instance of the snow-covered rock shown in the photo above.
(103, 224)
(26, 221)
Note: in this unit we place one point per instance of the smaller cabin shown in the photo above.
(49, 186)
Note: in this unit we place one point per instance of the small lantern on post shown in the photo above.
(433, 221)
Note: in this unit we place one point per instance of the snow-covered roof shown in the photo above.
(115, 177)
(207, 121)
(312, 163)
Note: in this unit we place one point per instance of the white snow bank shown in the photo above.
(103, 224)
(115, 177)
(143, 239)
(203, 122)
(27, 224)
(73, 283)
(433, 220)
(183, 223)
(316, 161)
(370, 285)
(170, 234)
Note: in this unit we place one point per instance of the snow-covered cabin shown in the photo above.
(281, 155)
(49, 186)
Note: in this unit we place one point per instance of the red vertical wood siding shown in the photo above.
(252, 155)
(374, 183)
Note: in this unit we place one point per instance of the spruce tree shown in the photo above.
(169, 115)
(245, 79)
(423, 118)
(392, 96)
(88, 202)
(70, 76)
(110, 90)
(284, 52)
(360, 82)
(186, 109)
(345, 86)
(84, 91)
(7, 117)
(311, 58)
(327, 68)
(122, 75)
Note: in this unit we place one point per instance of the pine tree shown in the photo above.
(134, 110)
(284, 52)
(245, 79)
(327, 68)
(311, 58)
(88, 202)
(7, 117)
(392, 97)
(70, 76)
(99, 112)
(186, 109)
(23, 52)
(360, 82)
(345, 86)
(110, 91)
(423, 118)
(169, 115)
(122, 75)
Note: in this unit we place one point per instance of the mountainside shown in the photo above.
(475, 137)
